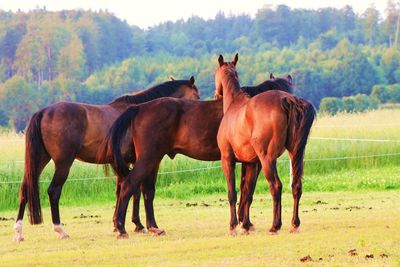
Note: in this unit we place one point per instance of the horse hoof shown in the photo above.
(157, 231)
(140, 230)
(244, 231)
(123, 236)
(273, 232)
(64, 236)
(115, 230)
(295, 230)
(232, 232)
(60, 231)
(18, 238)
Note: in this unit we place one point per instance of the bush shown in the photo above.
(381, 92)
(394, 92)
(365, 102)
(3, 118)
(331, 105)
(349, 103)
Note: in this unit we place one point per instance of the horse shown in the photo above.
(257, 131)
(164, 127)
(66, 131)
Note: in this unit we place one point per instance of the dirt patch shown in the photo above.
(306, 258)
(6, 219)
(383, 255)
(353, 252)
(83, 216)
(320, 202)
(369, 256)
(191, 204)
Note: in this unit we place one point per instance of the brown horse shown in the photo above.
(280, 83)
(67, 131)
(258, 130)
(164, 127)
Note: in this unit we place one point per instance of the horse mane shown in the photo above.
(275, 84)
(232, 78)
(160, 90)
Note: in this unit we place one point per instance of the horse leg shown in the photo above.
(135, 210)
(139, 228)
(275, 187)
(297, 190)
(44, 158)
(242, 188)
(117, 192)
(228, 167)
(130, 186)
(149, 193)
(250, 180)
(54, 192)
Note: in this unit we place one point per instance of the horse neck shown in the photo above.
(231, 88)
(136, 98)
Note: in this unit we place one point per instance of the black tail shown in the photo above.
(115, 137)
(301, 117)
(34, 150)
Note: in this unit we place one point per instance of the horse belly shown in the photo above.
(244, 152)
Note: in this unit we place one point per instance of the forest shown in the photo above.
(93, 56)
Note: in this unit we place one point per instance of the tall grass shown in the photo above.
(329, 165)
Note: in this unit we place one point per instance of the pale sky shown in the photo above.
(148, 13)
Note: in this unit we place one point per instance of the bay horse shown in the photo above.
(258, 130)
(66, 131)
(165, 127)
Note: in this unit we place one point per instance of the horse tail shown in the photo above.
(34, 149)
(115, 137)
(301, 115)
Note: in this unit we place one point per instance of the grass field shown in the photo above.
(331, 165)
(351, 196)
(333, 225)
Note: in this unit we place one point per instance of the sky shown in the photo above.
(147, 13)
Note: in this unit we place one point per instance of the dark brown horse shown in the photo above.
(163, 127)
(258, 130)
(67, 131)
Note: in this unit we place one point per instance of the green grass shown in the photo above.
(332, 225)
(348, 174)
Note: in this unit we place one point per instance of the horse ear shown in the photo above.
(271, 76)
(235, 60)
(289, 78)
(221, 60)
(191, 80)
(172, 78)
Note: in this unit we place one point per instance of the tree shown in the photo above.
(371, 19)
(391, 23)
(18, 101)
(71, 61)
(391, 65)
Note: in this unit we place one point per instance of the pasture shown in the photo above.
(350, 201)
(337, 229)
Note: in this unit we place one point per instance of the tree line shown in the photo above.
(93, 57)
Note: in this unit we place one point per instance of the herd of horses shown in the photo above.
(251, 125)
